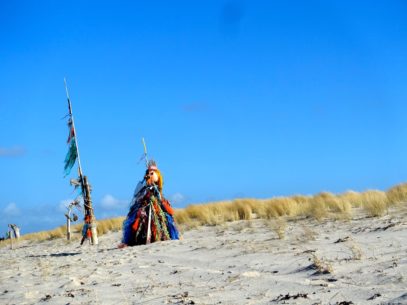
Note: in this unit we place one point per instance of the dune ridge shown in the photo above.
(324, 205)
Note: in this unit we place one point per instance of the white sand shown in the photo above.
(237, 263)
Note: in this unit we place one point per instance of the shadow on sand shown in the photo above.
(62, 254)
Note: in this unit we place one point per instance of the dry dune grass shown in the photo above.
(103, 226)
(214, 213)
(301, 199)
(328, 205)
(280, 206)
(277, 225)
(323, 205)
(317, 206)
(397, 194)
(355, 199)
(321, 266)
(46, 235)
(109, 225)
(375, 203)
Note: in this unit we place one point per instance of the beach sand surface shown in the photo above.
(361, 261)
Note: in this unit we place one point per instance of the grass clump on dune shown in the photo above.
(109, 225)
(374, 202)
(397, 194)
(353, 198)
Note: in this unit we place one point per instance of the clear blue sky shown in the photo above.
(234, 98)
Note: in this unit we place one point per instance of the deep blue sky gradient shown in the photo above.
(235, 99)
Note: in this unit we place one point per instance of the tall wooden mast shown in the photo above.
(90, 219)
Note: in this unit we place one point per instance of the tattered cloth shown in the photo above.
(70, 157)
(72, 153)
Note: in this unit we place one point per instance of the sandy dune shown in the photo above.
(363, 261)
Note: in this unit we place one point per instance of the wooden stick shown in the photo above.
(68, 227)
(11, 238)
(148, 240)
(145, 151)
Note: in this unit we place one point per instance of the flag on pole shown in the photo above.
(71, 131)
(72, 154)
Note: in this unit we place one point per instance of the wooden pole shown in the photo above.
(148, 239)
(83, 179)
(145, 152)
(68, 225)
(89, 212)
(11, 237)
(68, 228)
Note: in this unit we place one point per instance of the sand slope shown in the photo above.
(236, 263)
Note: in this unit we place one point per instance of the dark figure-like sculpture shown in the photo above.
(150, 217)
